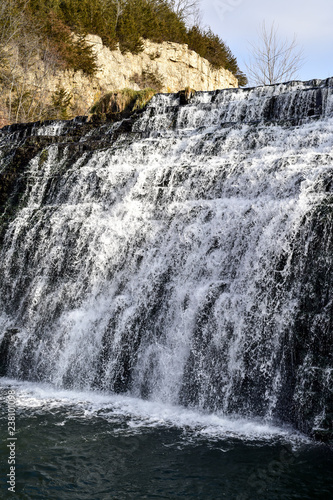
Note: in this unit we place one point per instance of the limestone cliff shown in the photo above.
(168, 66)
(177, 66)
(173, 65)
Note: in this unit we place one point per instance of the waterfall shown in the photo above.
(184, 255)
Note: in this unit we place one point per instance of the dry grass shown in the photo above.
(122, 102)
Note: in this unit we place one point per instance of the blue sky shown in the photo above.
(237, 23)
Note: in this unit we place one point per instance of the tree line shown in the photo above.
(43, 30)
(127, 22)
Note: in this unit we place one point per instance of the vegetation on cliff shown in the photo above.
(128, 21)
(116, 21)
(121, 103)
(53, 31)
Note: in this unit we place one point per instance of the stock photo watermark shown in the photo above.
(225, 7)
(264, 477)
(11, 440)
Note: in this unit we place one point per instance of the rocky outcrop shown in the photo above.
(90, 213)
(176, 65)
(172, 65)
(167, 66)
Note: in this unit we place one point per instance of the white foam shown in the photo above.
(141, 415)
(173, 249)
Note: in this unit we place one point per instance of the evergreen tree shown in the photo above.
(123, 21)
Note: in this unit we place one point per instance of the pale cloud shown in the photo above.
(237, 22)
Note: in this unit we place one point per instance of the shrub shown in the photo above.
(148, 79)
(126, 22)
(70, 52)
(121, 103)
(61, 102)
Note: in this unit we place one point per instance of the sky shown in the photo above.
(237, 22)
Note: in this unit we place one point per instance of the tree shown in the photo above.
(273, 59)
(212, 48)
(188, 11)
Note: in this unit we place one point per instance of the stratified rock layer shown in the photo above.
(183, 255)
(173, 65)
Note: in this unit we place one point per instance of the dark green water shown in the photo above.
(97, 447)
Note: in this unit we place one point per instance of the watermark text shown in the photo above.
(11, 440)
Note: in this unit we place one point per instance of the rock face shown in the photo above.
(183, 254)
(176, 65)
(171, 65)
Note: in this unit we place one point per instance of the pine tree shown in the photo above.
(123, 21)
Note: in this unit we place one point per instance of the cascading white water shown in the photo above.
(174, 262)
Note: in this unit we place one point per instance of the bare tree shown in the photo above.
(11, 22)
(119, 7)
(273, 59)
(11, 19)
(188, 11)
(26, 65)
